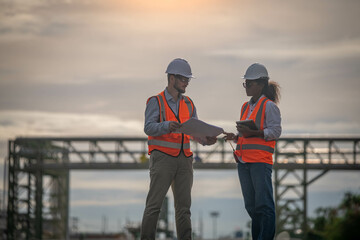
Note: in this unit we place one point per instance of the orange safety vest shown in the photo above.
(255, 149)
(172, 143)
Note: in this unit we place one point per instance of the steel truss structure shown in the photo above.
(299, 162)
(38, 175)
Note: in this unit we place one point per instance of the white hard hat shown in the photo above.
(179, 66)
(256, 71)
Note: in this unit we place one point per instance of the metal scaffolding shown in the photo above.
(298, 163)
(37, 197)
(38, 179)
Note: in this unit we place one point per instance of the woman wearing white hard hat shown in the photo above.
(255, 146)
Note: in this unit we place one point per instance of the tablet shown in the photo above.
(250, 123)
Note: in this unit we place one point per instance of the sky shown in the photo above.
(87, 67)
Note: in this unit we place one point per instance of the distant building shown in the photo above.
(239, 234)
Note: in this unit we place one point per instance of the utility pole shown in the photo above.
(119, 225)
(104, 224)
(214, 215)
(201, 226)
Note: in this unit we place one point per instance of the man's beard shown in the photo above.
(179, 89)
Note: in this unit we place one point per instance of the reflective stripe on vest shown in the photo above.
(168, 144)
(189, 105)
(259, 114)
(256, 147)
(244, 109)
(162, 109)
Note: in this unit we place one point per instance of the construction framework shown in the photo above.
(38, 175)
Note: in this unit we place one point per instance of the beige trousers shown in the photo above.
(166, 171)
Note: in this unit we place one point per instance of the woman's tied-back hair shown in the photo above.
(271, 89)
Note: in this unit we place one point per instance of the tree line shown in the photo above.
(337, 223)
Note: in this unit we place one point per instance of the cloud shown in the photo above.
(88, 41)
(340, 180)
(31, 123)
(131, 185)
(311, 125)
(331, 50)
(106, 202)
(325, 128)
(224, 184)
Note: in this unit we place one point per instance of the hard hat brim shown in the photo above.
(184, 75)
(249, 78)
(190, 76)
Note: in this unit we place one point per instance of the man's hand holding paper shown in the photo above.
(174, 126)
(210, 140)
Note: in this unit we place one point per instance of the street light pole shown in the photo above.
(214, 215)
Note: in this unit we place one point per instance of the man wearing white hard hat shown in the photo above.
(171, 158)
(255, 148)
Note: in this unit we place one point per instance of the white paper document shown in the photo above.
(198, 128)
